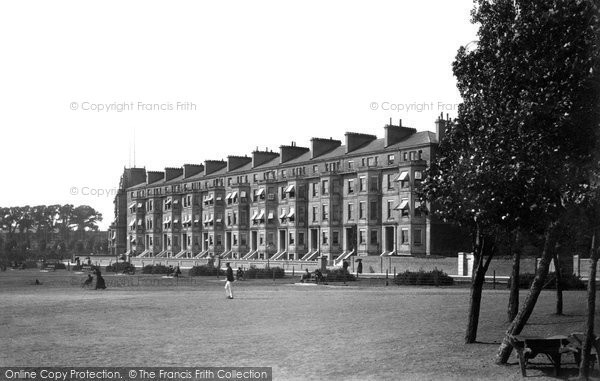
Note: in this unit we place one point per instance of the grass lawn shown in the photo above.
(357, 332)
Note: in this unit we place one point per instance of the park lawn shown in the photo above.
(304, 332)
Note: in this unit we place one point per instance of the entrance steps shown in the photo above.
(311, 255)
(345, 255)
(279, 254)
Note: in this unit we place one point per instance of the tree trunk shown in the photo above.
(527, 308)
(559, 293)
(584, 366)
(513, 299)
(482, 248)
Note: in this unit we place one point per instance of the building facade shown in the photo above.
(330, 199)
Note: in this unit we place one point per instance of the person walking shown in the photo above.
(230, 279)
(359, 268)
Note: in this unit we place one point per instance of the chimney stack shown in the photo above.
(321, 146)
(440, 127)
(190, 170)
(235, 162)
(261, 157)
(354, 140)
(287, 153)
(212, 166)
(171, 173)
(154, 176)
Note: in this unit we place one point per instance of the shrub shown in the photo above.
(339, 275)
(120, 267)
(434, 277)
(156, 269)
(205, 270)
(268, 272)
(568, 281)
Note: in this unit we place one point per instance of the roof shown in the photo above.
(374, 146)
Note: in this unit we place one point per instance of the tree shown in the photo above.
(517, 156)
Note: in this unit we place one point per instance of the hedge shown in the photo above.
(205, 270)
(339, 275)
(156, 269)
(434, 277)
(120, 267)
(264, 273)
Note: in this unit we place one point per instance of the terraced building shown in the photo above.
(333, 199)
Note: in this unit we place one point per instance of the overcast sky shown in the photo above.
(245, 74)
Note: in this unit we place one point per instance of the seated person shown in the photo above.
(177, 272)
(305, 276)
(239, 274)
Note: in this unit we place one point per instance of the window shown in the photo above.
(315, 189)
(373, 211)
(404, 207)
(361, 210)
(261, 239)
(325, 187)
(389, 181)
(300, 238)
(283, 194)
(420, 155)
(235, 217)
(235, 240)
(314, 214)
(405, 156)
(412, 155)
(373, 239)
(350, 210)
(325, 238)
(325, 212)
(418, 177)
(255, 177)
(315, 168)
(403, 178)
(282, 173)
(270, 237)
(350, 186)
(229, 181)
(418, 212)
(390, 159)
(371, 161)
(362, 184)
(362, 236)
(350, 165)
(335, 238)
(404, 236)
(291, 240)
(418, 239)
(390, 204)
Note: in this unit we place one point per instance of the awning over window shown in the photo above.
(206, 218)
(132, 205)
(228, 196)
(197, 219)
(219, 220)
(403, 205)
(282, 215)
(260, 191)
(132, 238)
(290, 188)
(270, 216)
(255, 215)
(140, 205)
(176, 201)
(211, 219)
(140, 222)
(291, 213)
(114, 235)
(168, 201)
(243, 194)
(261, 215)
(132, 223)
(403, 176)
(176, 221)
(167, 220)
(233, 195)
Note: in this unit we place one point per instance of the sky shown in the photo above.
(83, 82)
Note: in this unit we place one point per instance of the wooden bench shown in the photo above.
(528, 347)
